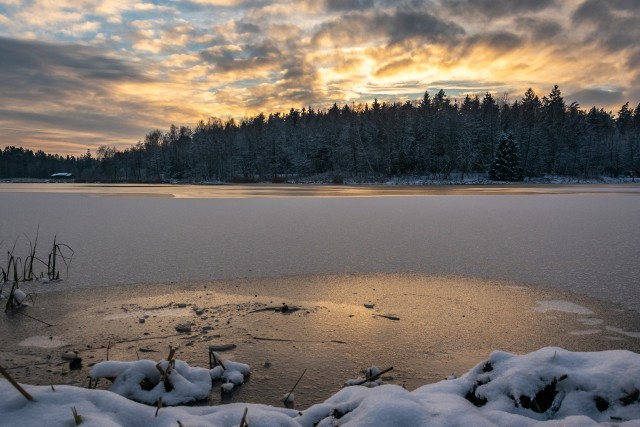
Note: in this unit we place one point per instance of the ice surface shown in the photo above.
(43, 341)
(580, 239)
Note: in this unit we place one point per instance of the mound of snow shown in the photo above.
(143, 381)
(550, 387)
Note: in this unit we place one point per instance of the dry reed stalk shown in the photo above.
(15, 384)
(243, 421)
(286, 399)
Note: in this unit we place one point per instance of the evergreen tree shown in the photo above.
(506, 165)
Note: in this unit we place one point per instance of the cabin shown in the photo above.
(62, 175)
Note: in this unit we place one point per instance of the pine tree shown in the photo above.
(506, 165)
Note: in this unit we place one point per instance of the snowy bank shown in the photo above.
(550, 387)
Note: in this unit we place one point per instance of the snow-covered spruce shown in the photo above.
(549, 387)
(142, 381)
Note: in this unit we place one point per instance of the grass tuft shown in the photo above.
(76, 417)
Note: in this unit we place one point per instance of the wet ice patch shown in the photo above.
(43, 341)
(591, 321)
(585, 332)
(623, 332)
(560, 305)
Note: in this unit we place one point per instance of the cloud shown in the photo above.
(388, 26)
(395, 67)
(224, 3)
(142, 64)
(497, 8)
(47, 85)
(597, 97)
(500, 41)
(348, 5)
(4, 20)
(614, 25)
(538, 30)
(27, 61)
(633, 61)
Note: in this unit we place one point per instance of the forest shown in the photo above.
(434, 137)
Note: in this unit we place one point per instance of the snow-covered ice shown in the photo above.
(549, 387)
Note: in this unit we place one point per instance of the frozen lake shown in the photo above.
(582, 239)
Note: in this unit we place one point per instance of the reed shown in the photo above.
(77, 419)
(16, 270)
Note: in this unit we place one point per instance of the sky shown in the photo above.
(77, 74)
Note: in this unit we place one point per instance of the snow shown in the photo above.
(186, 384)
(548, 387)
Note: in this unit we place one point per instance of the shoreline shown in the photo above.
(445, 324)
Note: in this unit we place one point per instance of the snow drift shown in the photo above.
(550, 387)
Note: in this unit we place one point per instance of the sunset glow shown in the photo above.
(78, 74)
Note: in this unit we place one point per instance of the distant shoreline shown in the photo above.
(454, 179)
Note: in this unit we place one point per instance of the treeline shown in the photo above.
(435, 137)
(18, 162)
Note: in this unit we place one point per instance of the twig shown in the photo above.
(214, 361)
(290, 340)
(159, 405)
(165, 377)
(34, 318)
(375, 377)
(386, 316)
(294, 386)
(15, 384)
